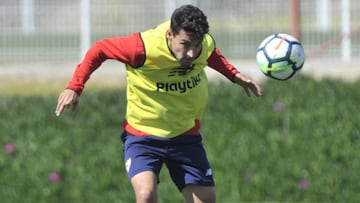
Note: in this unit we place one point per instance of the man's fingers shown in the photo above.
(65, 100)
(60, 105)
(254, 87)
(59, 110)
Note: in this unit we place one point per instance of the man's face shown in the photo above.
(184, 47)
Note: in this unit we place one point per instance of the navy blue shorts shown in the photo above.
(183, 155)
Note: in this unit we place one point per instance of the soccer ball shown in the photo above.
(280, 56)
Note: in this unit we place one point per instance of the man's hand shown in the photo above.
(66, 99)
(248, 84)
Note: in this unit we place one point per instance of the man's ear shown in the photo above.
(169, 33)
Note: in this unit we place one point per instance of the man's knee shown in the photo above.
(145, 195)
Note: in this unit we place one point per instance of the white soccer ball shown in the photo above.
(280, 56)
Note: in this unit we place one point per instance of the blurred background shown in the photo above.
(300, 143)
(38, 30)
(40, 40)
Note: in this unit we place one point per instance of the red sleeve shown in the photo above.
(129, 50)
(218, 62)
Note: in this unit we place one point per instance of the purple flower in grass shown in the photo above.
(9, 148)
(54, 177)
(303, 184)
(278, 106)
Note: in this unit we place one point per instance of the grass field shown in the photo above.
(298, 143)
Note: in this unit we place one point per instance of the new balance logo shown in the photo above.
(181, 71)
(208, 172)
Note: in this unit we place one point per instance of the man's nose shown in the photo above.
(190, 53)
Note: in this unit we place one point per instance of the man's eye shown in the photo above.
(186, 44)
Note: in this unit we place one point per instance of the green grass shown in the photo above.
(257, 153)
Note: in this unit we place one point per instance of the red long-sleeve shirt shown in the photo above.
(130, 50)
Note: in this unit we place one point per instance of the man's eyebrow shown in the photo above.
(196, 42)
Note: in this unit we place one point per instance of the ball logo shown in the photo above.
(281, 41)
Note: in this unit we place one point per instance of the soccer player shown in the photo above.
(167, 92)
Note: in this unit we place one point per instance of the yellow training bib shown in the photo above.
(163, 98)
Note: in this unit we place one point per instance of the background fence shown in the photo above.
(62, 29)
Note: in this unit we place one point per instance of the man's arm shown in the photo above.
(218, 62)
(129, 50)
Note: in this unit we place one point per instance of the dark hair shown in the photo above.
(191, 19)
